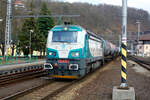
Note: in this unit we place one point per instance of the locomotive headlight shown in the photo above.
(52, 53)
(65, 28)
(75, 54)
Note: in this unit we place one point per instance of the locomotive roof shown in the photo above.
(74, 28)
(95, 35)
(67, 27)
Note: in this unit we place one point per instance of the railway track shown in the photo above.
(22, 93)
(41, 92)
(142, 63)
(60, 89)
(45, 91)
(11, 78)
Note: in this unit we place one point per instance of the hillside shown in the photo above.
(102, 19)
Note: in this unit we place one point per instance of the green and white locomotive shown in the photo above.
(72, 52)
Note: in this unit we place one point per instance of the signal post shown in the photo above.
(123, 92)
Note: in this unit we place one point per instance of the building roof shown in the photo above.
(145, 37)
(18, 2)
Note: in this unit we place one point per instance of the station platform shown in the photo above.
(12, 68)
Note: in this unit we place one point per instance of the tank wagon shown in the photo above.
(73, 51)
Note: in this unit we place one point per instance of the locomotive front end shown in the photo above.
(65, 52)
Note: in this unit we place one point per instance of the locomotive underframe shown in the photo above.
(62, 69)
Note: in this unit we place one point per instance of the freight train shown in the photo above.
(73, 51)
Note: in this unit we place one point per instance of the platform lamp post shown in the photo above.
(0, 28)
(31, 31)
(1, 20)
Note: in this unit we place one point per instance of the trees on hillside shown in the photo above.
(44, 24)
(37, 30)
(3, 9)
(102, 19)
(29, 30)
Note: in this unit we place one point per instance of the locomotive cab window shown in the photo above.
(64, 36)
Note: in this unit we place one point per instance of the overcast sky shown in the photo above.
(141, 4)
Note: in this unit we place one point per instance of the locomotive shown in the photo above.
(73, 51)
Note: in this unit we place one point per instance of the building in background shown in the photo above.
(19, 4)
(131, 42)
(143, 47)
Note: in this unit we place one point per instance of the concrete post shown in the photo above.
(123, 92)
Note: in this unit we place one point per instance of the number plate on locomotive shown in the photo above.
(63, 61)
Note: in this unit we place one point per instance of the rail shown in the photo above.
(11, 78)
(144, 64)
(27, 91)
(49, 90)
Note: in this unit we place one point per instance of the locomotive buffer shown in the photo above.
(123, 92)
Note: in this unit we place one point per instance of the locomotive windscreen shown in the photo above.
(64, 36)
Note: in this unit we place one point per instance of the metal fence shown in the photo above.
(4, 60)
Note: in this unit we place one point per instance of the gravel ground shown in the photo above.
(99, 85)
